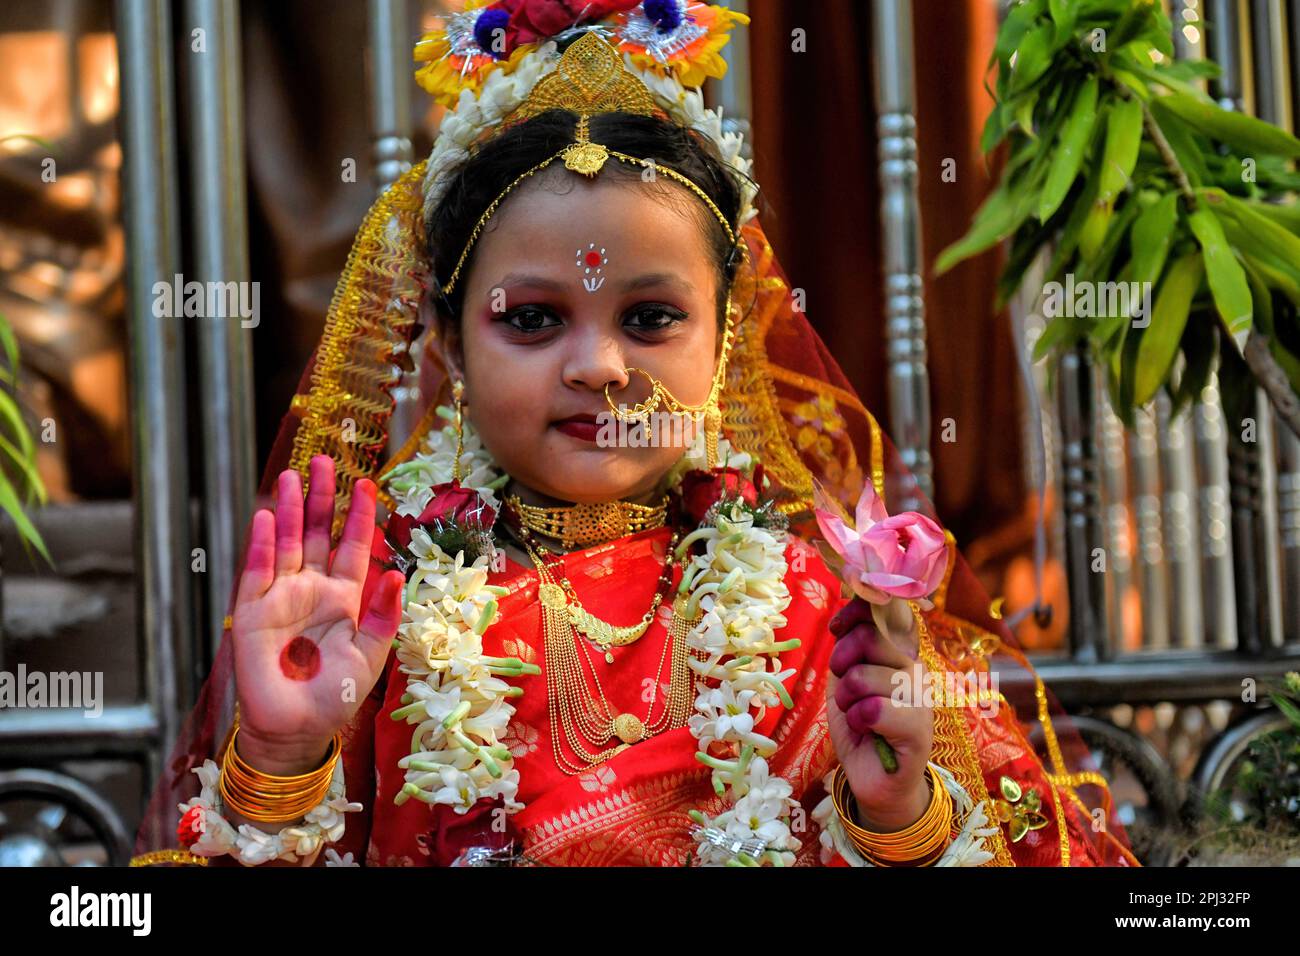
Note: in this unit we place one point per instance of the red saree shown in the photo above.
(632, 809)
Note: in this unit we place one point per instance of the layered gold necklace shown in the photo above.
(590, 723)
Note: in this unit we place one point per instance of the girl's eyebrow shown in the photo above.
(657, 278)
(534, 281)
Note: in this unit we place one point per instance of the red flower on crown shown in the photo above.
(532, 21)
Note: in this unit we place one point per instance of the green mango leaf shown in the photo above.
(997, 217)
(11, 416)
(1277, 271)
(1123, 136)
(1243, 134)
(1182, 140)
(1289, 709)
(1064, 13)
(1068, 242)
(1261, 300)
(995, 128)
(1093, 231)
(1025, 113)
(1159, 342)
(1288, 216)
(1134, 23)
(1270, 233)
(1130, 80)
(1226, 277)
(1153, 233)
(10, 343)
(1019, 19)
(45, 144)
(27, 467)
(1070, 147)
(1198, 356)
(1033, 57)
(10, 504)
(1098, 267)
(1061, 331)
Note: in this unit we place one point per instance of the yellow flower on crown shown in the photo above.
(453, 59)
(691, 51)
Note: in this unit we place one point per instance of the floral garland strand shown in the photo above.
(737, 589)
(456, 696)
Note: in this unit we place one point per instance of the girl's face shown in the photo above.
(566, 291)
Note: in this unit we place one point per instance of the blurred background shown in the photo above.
(150, 434)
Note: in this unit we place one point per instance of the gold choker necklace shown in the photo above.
(586, 524)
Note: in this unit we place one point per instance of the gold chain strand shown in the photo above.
(571, 707)
(597, 630)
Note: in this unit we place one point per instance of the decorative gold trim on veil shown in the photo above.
(371, 317)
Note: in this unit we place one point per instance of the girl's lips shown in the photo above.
(582, 427)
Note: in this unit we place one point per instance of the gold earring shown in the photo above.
(458, 394)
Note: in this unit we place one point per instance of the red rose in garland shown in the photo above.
(451, 504)
(700, 490)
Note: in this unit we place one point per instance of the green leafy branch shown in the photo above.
(1128, 173)
(20, 483)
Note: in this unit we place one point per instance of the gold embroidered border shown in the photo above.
(169, 856)
(954, 748)
(345, 413)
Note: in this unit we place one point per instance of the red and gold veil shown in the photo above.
(785, 402)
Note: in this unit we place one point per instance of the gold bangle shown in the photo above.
(920, 844)
(267, 798)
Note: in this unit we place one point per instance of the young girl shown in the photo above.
(575, 641)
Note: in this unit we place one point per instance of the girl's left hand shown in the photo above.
(866, 667)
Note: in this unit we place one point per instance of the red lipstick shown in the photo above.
(582, 427)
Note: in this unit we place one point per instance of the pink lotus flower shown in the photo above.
(884, 556)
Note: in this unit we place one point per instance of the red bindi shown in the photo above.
(593, 258)
(300, 659)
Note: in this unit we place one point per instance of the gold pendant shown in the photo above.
(602, 632)
(628, 728)
(552, 596)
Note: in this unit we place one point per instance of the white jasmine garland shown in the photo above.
(323, 824)
(455, 695)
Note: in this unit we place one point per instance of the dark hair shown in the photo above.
(494, 164)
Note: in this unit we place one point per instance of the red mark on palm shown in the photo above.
(300, 659)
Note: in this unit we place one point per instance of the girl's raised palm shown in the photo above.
(306, 652)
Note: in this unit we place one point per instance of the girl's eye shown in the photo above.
(530, 319)
(652, 318)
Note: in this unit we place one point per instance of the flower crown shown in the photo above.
(486, 65)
